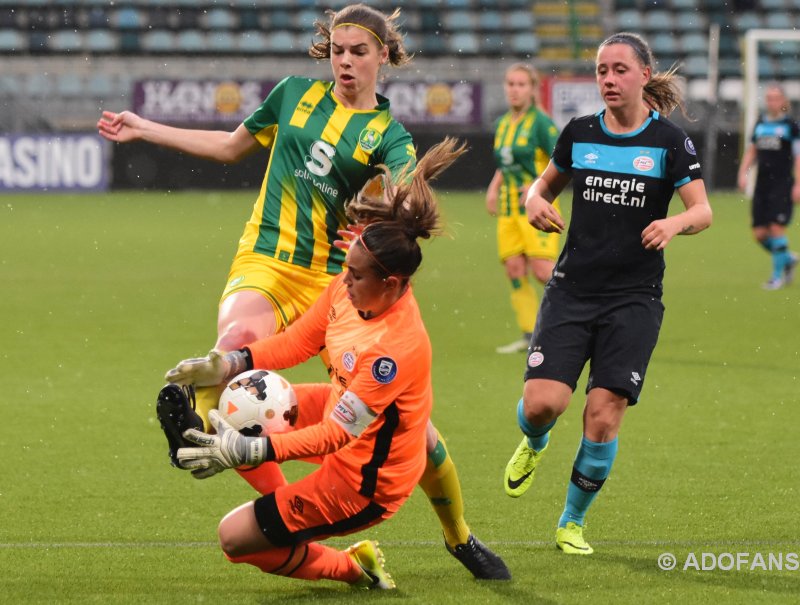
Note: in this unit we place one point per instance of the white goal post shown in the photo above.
(752, 38)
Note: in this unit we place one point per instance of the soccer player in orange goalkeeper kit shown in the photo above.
(368, 424)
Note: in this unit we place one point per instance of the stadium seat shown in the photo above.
(253, 41)
(685, 5)
(248, 18)
(9, 85)
(665, 44)
(463, 43)
(128, 18)
(491, 20)
(12, 41)
(100, 85)
(222, 42)
(460, 20)
(304, 19)
(101, 41)
(281, 42)
(158, 41)
(38, 86)
(98, 17)
(492, 44)
(67, 41)
(773, 5)
(788, 67)
(220, 18)
(629, 20)
(524, 44)
(658, 21)
(191, 41)
(690, 21)
(70, 86)
(520, 20)
(780, 21)
(747, 20)
(278, 19)
(694, 43)
(696, 66)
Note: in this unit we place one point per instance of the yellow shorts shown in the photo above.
(516, 236)
(290, 289)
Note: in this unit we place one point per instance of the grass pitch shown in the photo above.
(102, 293)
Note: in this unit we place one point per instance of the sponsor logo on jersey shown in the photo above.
(535, 359)
(369, 139)
(695, 166)
(384, 369)
(615, 190)
(348, 361)
(635, 378)
(689, 146)
(643, 163)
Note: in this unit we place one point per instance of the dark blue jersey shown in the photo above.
(621, 183)
(777, 142)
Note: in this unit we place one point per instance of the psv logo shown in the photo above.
(644, 163)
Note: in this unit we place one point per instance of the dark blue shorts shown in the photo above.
(616, 334)
(772, 203)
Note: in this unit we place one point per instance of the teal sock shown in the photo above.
(590, 470)
(780, 256)
(538, 436)
(766, 243)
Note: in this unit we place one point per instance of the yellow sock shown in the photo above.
(525, 303)
(440, 483)
(207, 399)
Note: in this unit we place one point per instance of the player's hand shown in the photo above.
(658, 234)
(348, 236)
(491, 203)
(227, 449)
(796, 192)
(120, 127)
(201, 371)
(543, 215)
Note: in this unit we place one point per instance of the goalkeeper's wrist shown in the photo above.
(259, 450)
(238, 362)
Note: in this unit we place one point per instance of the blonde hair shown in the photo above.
(382, 27)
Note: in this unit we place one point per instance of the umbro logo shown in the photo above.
(591, 158)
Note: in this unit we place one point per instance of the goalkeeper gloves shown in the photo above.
(209, 371)
(227, 449)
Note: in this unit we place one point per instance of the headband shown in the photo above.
(366, 29)
(371, 255)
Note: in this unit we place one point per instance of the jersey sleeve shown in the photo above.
(316, 440)
(381, 377)
(299, 342)
(547, 133)
(683, 163)
(795, 138)
(562, 153)
(262, 123)
(398, 149)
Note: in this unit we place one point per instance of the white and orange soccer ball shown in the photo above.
(259, 402)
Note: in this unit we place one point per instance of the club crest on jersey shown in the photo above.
(535, 359)
(643, 163)
(689, 146)
(348, 361)
(384, 369)
(369, 139)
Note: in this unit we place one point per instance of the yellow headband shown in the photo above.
(366, 29)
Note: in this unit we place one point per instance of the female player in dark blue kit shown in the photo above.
(604, 301)
(775, 148)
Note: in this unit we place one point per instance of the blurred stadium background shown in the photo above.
(207, 63)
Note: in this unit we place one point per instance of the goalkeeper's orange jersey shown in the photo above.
(375, 420)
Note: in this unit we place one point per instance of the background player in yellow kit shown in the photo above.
(524, 139)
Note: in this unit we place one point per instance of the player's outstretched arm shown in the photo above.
(217, 145)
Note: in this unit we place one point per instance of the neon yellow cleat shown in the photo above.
(570, 540)
(520, 469)
(370, 559)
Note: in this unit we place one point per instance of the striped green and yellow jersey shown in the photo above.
(522, 149)
(322, 153)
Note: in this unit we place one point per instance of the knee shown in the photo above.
(538, 409)
(228, 541)
(235, 335)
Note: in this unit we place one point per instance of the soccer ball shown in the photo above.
(258, 402)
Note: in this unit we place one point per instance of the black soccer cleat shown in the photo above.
(175, 412)
(479, 560)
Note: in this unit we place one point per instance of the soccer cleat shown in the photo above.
(479, 560)
(518, 346)
(520, 469)
(570, 540)
(175, 412)
(776, 283)
(789, 269)
(369, 558)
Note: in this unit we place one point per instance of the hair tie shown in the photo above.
(366, 29)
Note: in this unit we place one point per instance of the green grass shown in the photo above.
(101, 294)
